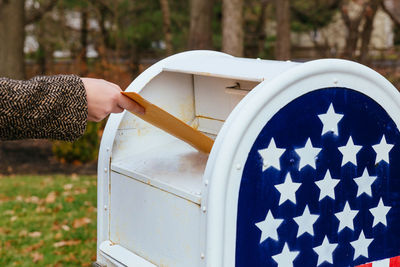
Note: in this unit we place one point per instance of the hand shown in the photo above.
(105, 97)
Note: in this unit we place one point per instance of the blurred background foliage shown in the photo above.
(117, 39)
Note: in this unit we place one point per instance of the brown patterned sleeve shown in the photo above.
(53, 107)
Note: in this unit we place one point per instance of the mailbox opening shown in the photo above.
(159, 175)
(152, 156)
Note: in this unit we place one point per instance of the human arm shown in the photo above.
(55, 107)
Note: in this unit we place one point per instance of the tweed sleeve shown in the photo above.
(53, 107)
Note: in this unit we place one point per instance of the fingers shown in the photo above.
(129, 104)
(104, 97)
(117, 109)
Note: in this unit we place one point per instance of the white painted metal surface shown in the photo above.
(162, 201)
(118, 255)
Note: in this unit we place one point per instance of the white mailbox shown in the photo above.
(304, 170)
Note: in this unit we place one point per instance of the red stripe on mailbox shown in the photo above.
(392, 262)
(395, 262)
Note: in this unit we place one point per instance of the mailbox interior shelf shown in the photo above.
(174, 167)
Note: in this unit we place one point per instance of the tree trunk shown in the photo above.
(232, 27)
(105, 39)
(351, 41)
(42, 51)
(12, 36)
(167, 26)
(200, 33)
(262, 27)
(84, 42)
(352, 25)
(282, 46)
(367, 30)
(392, 8)
(255, 35)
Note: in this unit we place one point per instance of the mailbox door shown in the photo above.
(306, 169)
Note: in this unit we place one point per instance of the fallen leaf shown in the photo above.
(51, 197)
(4, 230)
(66, 193)
(68, 187)
(32, 199)
(80, 222)
(91, 209)
(9, 212)
(13, 218)
(58, 235)
(34, 246)
(35, 234)
(40, 209)
(23, 233)
(8, 244)
(57, 208)
(80, 191)
(65, 227)
(70, 257)
(69, 199)
(74, 177)
(66, 243)
(36, 256)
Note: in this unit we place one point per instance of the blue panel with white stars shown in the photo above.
(321, 185)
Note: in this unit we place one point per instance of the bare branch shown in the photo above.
(395, 19)
(37, 14)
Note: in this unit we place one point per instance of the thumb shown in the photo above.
(130, 105)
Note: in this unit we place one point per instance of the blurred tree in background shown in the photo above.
(97, 37)
(14, 16)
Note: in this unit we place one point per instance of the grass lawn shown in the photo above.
(47, 220)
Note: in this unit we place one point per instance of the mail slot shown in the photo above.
(304, 170)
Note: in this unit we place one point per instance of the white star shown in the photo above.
(327, 186)
(361, 245)
(382, 150)
(307, 154)
(346, 217)
(269, 227)
(325, 251)
(306, 222)
(287, 189)
(364, 183)
(330, 121)
(271, 155)
(349, 152)
(286, 257)
(379, 213)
